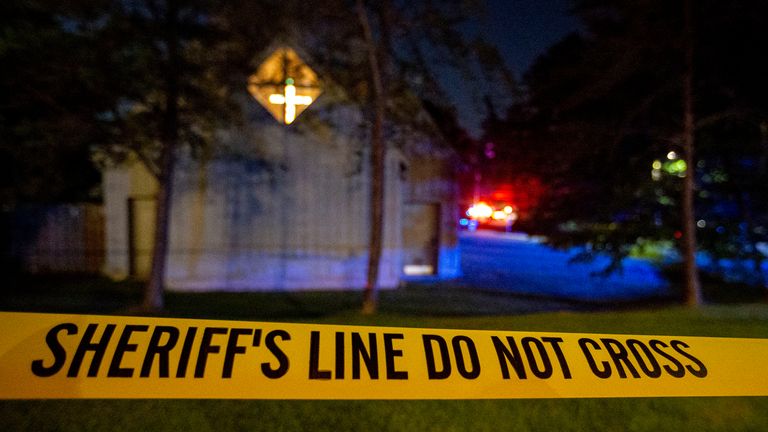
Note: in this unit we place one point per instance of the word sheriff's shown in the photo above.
(156, 355)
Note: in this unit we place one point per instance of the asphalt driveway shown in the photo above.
(517, 263)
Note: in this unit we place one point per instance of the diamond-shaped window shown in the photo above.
(284, 85)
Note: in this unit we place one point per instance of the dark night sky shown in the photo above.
(521, 30)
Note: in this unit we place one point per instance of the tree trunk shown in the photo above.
(692, 284)
(762, 170)
(370, 300)
(154, 292)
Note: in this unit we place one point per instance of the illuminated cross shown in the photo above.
(290, 99)
(284, 85)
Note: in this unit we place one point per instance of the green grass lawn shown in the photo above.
(435, 306)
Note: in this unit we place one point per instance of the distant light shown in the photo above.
(656, 171)
(480, 210)
(508, 209)
(672, 155)
(463, 221)
(418, 270)
(701, 223)
(678, 167)
(499, 215)
(678, 235)
(720, 229)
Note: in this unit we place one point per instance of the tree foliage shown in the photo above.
(50, 95)
(605, 107)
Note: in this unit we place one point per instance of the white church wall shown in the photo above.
(301, 223)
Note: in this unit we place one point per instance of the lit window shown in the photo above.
(284, 85)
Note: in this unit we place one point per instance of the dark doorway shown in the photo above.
(141, 235)
(421, 238)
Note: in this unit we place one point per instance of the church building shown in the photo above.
(282, 202)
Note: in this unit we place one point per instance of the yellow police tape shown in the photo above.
(85, 356)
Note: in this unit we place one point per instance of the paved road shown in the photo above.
(519, 264)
